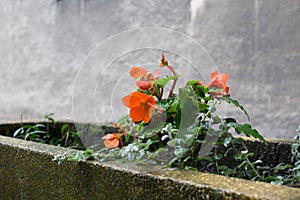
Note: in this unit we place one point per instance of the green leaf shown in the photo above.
(270, 179)
(163, 81)
(169, 104)
(187, 97)
(63, 128)
(40, 125)
(250, 154)
(165, 103)
(238, 156)
(179, 152)
(223, 167)
(149, 142)
(282, 167)
(203, 107)
(172, 143)
(228, 172)
(297, 167)
(88, 152)
(28, 126)
(216, 119)
(27, 135)
(20, 130)
(258, 162)
(200, 90)
(35, 132)
(81, 155)
(248, 131)
(28, 130)
(244, 151)
(237, 104)
(227, 141)
(164, 137)
(207, 158)
(122, 120)
(127, 137)
(192, 82)
(218, 157)
(263, 167)
(49, 117)
(227, 151)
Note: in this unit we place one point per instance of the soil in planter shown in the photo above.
(52, 133)
(63, 134)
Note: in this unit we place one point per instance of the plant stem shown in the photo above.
(161, 93)
(66, 140)
(174, 82)
(253, 168)
(217, 164)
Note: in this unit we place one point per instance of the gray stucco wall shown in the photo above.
(257, 42)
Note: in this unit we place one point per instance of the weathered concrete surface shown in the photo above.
(271, 153)
(27, 172)
(257, 42)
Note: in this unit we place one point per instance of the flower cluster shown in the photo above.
(143, 102)
(157, 120)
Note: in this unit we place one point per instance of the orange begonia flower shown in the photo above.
(145, 77)
(218, 81)
(141, 106)
(112, 140)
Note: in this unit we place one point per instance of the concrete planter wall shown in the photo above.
(28, 172)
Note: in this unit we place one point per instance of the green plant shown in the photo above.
(293, 177)
(172, 129)
(67, 138)
(156, 122)
(32, 133)
(41, 132)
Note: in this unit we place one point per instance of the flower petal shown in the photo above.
(150, 100)
(219, 81)
(110, 144)
(109, 136)
(141, 96)
(213, 74)
(148, 113)
(144, 85)
(137, 113)
(131, 101)
(138, 72)
(216, 83)
(156, 74)
(227, 90)
(223, 77)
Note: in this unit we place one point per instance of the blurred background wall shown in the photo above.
(257, 42)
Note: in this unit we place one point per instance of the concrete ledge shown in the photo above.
(27, 172)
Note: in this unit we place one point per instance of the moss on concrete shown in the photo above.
(27, 172)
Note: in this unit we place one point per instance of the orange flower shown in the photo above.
(145, 77)
(141, 106)
(112, 140)
(218, 81)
